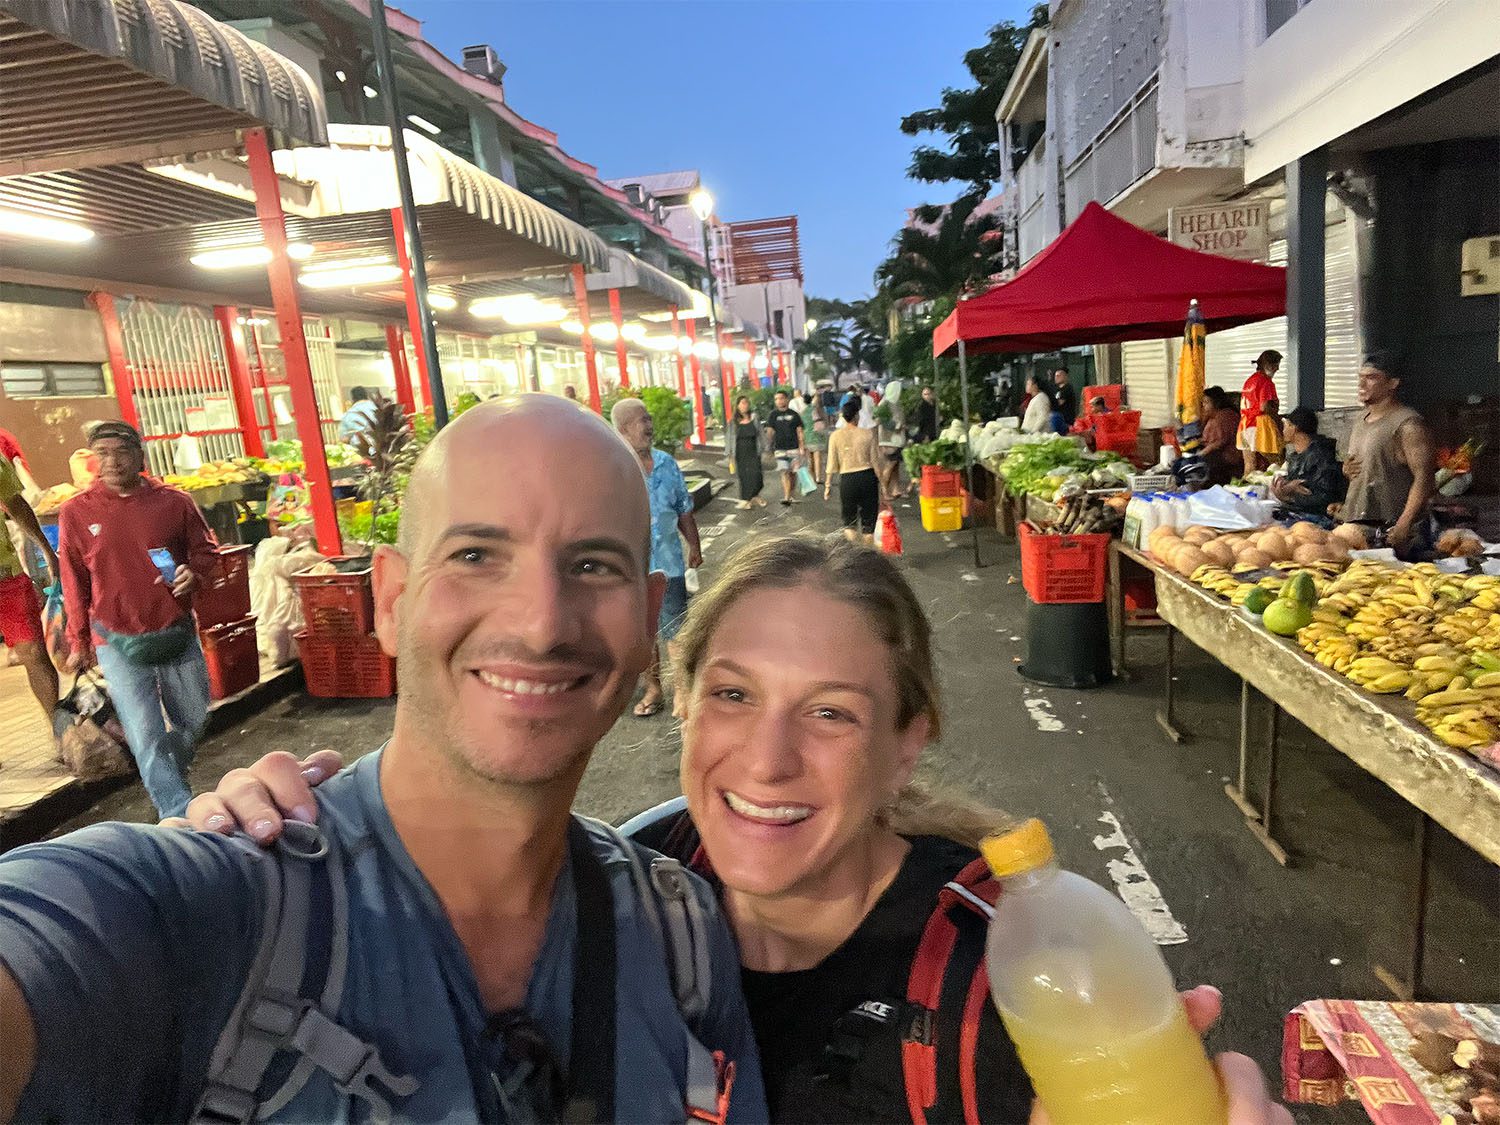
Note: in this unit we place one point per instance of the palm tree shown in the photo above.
(944, 252)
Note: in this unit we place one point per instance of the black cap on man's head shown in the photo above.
(114, 428)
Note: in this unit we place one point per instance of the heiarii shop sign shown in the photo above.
(1232, 230)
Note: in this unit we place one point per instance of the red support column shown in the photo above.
(114, 346)
(395, 342)
(700, 429)
(239, 378)
(282, 274)
(620, 355)
(590, 364)
(677, 351)
(413, 309)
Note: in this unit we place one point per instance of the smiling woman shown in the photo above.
(800, 736)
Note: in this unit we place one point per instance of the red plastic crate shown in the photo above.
(1063, 569)
(223, 596)
(346, 667)
(1117, 432)
(938, 482)
(338, 605)
(232, 657)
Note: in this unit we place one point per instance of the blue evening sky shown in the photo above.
(786, 106)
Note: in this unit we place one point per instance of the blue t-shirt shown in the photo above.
(132, 943)
(669, 499)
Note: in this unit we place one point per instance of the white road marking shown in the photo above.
(1040, 710)
(1135, 886)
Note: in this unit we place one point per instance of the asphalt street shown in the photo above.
(1127, 807)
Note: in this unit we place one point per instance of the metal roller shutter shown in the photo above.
(1231, 353)
(1150, 366)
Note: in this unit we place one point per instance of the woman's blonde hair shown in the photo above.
(871, 582)
(854, 574)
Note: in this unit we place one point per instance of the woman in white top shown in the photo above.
(1038, 415)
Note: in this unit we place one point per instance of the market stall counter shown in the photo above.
(1380, 733)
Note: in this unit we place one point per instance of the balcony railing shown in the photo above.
(1123, 152)
(1031, 176)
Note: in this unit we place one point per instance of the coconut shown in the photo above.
(1336, 550)
(1253, 558)
(1307, 532)
(1187, 559)
(1219, 552)
(1352, 535)
(1274, 545)
(1306, 553)
(1160, 535)
(1198, 536)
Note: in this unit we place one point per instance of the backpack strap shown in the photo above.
(272, 1018)
(591, 1062)
(975, 890)
(677, 917)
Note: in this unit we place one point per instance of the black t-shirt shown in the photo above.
(1065, 400)
(785, 426)
(809, 1023)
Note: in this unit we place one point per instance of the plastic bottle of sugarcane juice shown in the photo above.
(1087, 998)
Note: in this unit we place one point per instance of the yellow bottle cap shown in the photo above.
(1020, 849)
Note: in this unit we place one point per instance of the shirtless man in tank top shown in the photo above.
(1392, 461)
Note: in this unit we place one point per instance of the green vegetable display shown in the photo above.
(945, 453)
(1029, 467)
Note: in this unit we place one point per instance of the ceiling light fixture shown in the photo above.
(342, 275)
(27, 224)
(443, 302)
(423, 123)
(370, 92)
(240, 257)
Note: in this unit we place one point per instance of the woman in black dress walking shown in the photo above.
(747, 442)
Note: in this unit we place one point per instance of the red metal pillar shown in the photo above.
(282, 274)
(239, 378)
(114, 346)
(699, 426)
(781, 376)
(413, 309)
(395, 343)
(581, 296)
(620, 354)
(677, 351)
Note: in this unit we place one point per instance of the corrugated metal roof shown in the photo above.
(628, 272)
(662, 183)
(85, 77)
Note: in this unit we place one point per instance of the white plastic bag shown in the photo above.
(273, 600)
(690, 579)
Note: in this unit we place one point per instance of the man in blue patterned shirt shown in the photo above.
(671, 516)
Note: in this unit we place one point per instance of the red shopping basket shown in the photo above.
(347, 666)
(232, 657)
(338, 604)
(1063, 569)
(223, 597)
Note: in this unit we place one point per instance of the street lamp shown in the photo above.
(702, 204)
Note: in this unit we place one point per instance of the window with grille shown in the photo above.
(52, 380)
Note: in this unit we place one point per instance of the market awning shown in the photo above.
(1103, 281)
(87, 82)
(643, 288)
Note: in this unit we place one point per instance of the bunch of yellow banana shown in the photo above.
(1465, 717)
(1217, 579)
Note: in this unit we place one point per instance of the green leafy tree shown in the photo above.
(966, 117)
(947, 251)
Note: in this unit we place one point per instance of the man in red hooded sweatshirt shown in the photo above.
(132, 552)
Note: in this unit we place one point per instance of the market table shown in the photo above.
(1379, 733)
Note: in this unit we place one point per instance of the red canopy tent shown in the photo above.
(1104, 280)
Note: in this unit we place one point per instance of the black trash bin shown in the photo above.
(1067, 645)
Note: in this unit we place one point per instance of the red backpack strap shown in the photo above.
(975, 888)
(968, 1043)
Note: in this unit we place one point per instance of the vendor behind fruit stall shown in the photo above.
(1220, 416)
(1392, 461)
(1313, 478)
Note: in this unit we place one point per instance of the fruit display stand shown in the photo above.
(1379, 733)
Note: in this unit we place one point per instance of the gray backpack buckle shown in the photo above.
(371, 1067)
